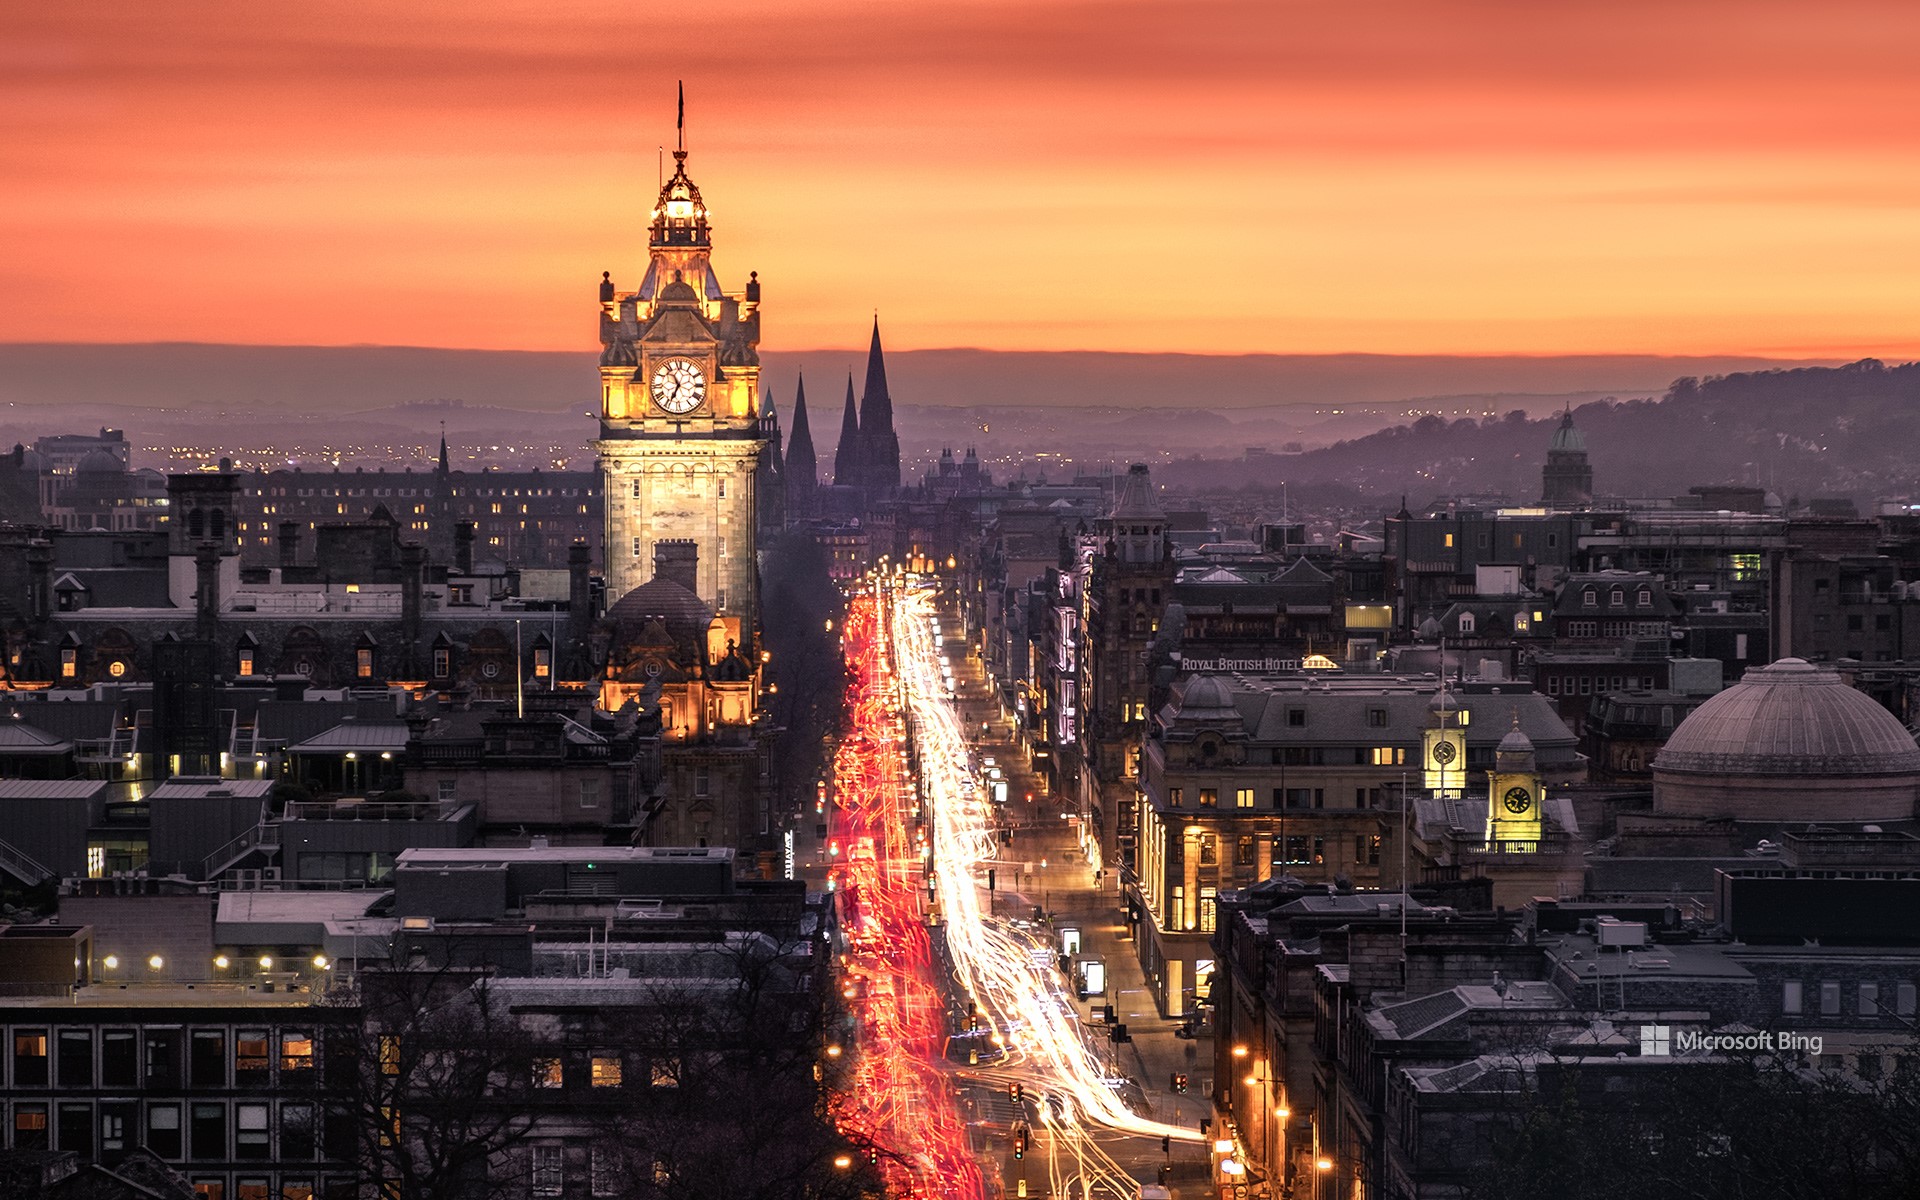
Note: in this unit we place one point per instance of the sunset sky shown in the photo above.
(1400, 176)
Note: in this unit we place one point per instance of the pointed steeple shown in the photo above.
(770, 421)
(800, 461)
(847, 457)
(443, 447)
(879, 441)
(876, 406)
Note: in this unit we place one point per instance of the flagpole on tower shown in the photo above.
(680, 123)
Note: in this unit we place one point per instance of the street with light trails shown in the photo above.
(926, 943)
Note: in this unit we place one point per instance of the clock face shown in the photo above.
(1443, 753)
(679, 385)
(1518, 800)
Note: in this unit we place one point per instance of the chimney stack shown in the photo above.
(677, 560)
(463, 548)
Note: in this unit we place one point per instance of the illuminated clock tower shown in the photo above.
(679, 425)
(1514, 795)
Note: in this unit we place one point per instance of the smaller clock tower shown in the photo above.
(1444, 750)
(1514, 795)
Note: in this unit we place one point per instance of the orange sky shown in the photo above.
(1417, 176)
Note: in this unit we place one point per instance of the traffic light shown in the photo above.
(1016, 1091)
(1020, 1133)
(989, 878)
(1166, 1144)
(1180, 1082)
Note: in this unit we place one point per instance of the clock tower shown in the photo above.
(680, 433)
(1514, 795)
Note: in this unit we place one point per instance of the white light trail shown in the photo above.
(1019, 989)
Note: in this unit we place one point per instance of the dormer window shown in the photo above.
(1589, 598)
(1645, 599)
(1617, 597)
(1466, 623)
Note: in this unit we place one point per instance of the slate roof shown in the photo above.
(356, 735)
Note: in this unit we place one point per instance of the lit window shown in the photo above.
(1209, 798)
(1176, 797)
(363, 663)
(1243, 798)
(117, 668)
(69, 663)
(542, 662)
(296, 1052)
(246, 662)
(389, 1054)
(548, 1073)
(606, 1070)
(251, 1053)
(665, 1073)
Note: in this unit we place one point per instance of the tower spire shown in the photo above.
(800, 459)
(847, 467)
(680, 122)
(879, 442)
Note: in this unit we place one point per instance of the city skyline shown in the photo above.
(1484, 180)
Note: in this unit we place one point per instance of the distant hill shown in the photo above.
(1849, 430)
(209, 379)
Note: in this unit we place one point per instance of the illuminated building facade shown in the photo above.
(680, 426)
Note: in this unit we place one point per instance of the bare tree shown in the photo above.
(434, 1087)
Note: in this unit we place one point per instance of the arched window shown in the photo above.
(196, 523)
(217, 526)
(1589, 598)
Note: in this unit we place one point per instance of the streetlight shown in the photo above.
(111, 962)
(155, 962)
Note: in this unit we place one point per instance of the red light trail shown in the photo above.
(900, 1104)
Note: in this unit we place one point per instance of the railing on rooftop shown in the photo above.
(19, 862)
(372, 810)
(264, 836)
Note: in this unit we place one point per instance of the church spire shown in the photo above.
(881, 445)
(443, 447)
(800, 459)
(847, 466)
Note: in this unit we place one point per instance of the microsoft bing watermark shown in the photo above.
(1661, 1041)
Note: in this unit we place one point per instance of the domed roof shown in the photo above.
(1207, 698)
(682, 612)
(1515, 742)
(98, 462)
(1791, 718)
(1566, 438)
